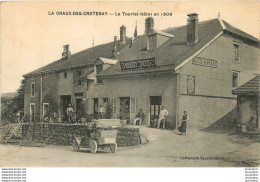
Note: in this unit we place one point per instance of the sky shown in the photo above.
(31, 37)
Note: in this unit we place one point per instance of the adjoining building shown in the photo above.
(193, 67)
(50, 89)
(248, 102)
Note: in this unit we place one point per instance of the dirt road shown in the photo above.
(165, 149)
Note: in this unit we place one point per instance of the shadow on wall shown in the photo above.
(224, 125)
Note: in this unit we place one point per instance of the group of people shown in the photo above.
(163, 113)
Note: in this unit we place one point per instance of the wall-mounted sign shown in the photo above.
(204, 62)
(190, 84)
(142, 63)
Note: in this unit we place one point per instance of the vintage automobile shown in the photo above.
(99, 137)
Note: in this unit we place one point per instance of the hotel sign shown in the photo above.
(204, 62)
(142, 63)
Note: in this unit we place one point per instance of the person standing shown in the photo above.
(101, 111)
(185, 119)
(163, 114)
(70, 112)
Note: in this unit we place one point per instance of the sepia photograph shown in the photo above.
(130, 84)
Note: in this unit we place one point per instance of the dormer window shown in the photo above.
(99, 68)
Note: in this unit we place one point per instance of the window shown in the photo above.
(132, 106)
(80, 82)
(99, 68)
(46, 76)
(105, 100)
(235, 79)
(32, 89)
(79, 72)
(236, 52)
(65, 74)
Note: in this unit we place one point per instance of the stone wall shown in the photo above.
(63, 134)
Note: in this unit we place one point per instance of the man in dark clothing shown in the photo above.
(139, 117)
(183, 127)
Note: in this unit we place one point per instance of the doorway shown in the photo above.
(155, 105)
(65, 100)
(32, 112)
(45, 110)
(124, 108)
(95, 105)
(79, 108)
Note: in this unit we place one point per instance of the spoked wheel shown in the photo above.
(75, 145)
(93, 146)
(113, 148)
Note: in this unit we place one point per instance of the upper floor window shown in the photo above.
(236, 52)
(32, 89)
(235, 79)
(80, 82)
(79, 73)
(65, 74)
(99, 68)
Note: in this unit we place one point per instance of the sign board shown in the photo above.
(204, 62)
(190, 84)
(142, 63)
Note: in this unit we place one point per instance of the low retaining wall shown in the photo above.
(63, 134)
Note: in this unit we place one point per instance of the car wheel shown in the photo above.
(113, 148)
(93, 146)
(75, 145)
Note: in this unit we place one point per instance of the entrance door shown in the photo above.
(124, 108)
(32, 112)
(79, 108)
(155, 105)
(65, 100)
(45, 110)
(95, 105)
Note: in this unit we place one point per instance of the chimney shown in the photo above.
(66, 52)
(115, 51)
(192, 29)
(123, 34)
(149, 23)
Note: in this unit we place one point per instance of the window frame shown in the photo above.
(234, 71)
(236, 57)
(99, 80)
(43, 110)
(32, 94)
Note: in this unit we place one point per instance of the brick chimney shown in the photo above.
(122, 34)
(115, 51)
(192, 29)
(149, 23)
(66, 52)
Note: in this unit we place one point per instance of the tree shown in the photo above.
(11, 106)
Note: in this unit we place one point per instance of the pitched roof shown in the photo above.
(80, 59)
(173, 52)
(249, 88)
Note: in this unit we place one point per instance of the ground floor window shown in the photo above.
(235, 79)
